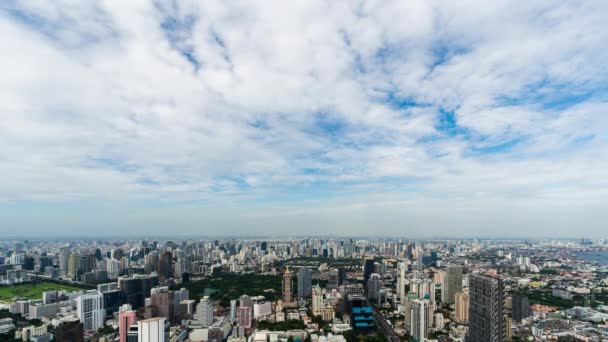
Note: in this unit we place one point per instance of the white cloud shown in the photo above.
(229, 104)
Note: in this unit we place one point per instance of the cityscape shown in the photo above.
(303, 171)
(304, 289)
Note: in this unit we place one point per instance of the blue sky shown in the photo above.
(403, 118)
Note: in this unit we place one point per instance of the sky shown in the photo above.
(426, 118)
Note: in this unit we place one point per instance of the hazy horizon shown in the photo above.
(391, 118)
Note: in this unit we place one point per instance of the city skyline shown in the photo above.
(408, 119)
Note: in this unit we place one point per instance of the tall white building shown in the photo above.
(90, 310)
(204, 312)
(152, 330)
(401, 282)
(113, 268)
(421, 319)
(233, 310)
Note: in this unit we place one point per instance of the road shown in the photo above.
(386, 328)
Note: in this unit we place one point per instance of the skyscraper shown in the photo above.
(486, 309)
(126, 318)
(165, 266)
(243, 316)
(64, 254)
(90, 310)
(233, 310)
(287, 286)
(453, 284)
(421, 320)
(304, 282)
(204, 312)
(462, 307)
(317, 300)
(368, 268)
(373, 286)
(520, 308)
(402, 267)
(333, 281)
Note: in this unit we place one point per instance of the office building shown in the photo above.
(368, 268)
(137, 288)
(373, 287)
(304, 283)
(520, 308)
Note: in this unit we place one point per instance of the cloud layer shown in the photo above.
(407, 118)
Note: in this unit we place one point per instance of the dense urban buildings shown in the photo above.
(344, 290)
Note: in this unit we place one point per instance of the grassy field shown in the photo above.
(31, 291)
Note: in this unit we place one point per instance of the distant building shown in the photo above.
(453, 284)
(520, 308)
(304, 282)
(317, 300)
(373, 286)
(288, 286)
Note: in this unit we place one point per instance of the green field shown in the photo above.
(32, 291)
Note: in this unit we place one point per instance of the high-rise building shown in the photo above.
(333, 279)
(165, 265)
(421, 320)
(368, 268)
(153, 330)
(317, 300)
(373, 286)
(402, 267)
(64, 254)
(137, 288)
(162, 304)
(126, 318)
(304, 282)
(462, 307)
(233, 310)
(204, 312)
(453, 284)
(90, 310)
(243, 316)
(73, 263)
(287, 286)
(70, 331)
(486, 310)
(520, 308)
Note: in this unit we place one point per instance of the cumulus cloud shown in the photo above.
(324, 116)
